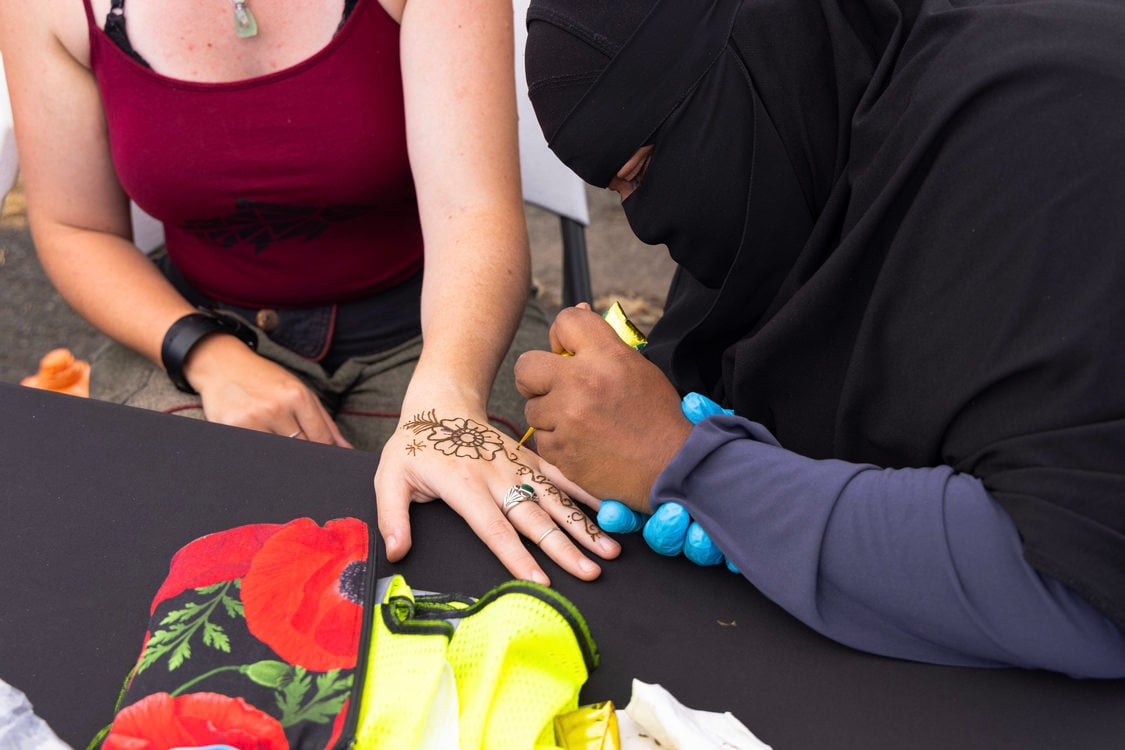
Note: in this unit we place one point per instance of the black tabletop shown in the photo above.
(96, 498)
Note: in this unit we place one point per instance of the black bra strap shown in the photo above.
(115, 30)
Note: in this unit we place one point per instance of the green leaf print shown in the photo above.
(182, 624)
(331, 692)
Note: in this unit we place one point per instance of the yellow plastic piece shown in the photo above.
(592, 727)
(60, 371)
(624, 327)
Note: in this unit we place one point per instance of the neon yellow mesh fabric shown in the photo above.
(404, 671)
(519, 656)
(518, 663)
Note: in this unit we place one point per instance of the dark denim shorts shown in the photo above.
(328, 334)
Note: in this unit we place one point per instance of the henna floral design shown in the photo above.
(464, 438)
(467, 438)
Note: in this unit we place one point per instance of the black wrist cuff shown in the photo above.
(186, 333)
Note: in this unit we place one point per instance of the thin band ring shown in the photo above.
(295, 434)
(546, 534)
(516, 494)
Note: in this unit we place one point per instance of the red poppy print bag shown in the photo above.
(253, 641)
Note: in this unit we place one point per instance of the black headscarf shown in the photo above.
(898, 225)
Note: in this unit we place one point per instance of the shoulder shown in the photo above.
(45, 29)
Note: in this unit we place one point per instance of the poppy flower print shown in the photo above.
(209, 674)
(222, 556)
(303, 593)
(161, 721)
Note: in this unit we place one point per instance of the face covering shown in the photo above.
(695, 192)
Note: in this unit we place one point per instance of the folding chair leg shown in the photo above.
(575, 264)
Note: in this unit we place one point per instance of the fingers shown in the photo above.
(501, 536)
(582, 529)
(576, 328)
(393, 513)
(699, 548)
(260, 394)
(544, 529)
(619, 518)
(560, 480)
(315, 424)
(666, 530)
(534, 373)
(476, 482)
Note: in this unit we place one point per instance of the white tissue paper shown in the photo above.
(655, 719)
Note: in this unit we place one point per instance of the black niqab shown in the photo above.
(898, 226)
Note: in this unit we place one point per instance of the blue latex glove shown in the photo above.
(670, 530)
(619, 518)
(666, 530)
(697, 407)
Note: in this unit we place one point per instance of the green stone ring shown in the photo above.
(516, 494)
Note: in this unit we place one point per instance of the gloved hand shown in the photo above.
(670, 530)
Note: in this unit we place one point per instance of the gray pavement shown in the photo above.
(35, 320)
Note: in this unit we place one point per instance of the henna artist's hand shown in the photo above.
(454, 454)
(242, 388)
(606, 416)
(670, 530)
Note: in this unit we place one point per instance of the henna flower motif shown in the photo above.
(466, 438)
(160, 721)
(303, 593)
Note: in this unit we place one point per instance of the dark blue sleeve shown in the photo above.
(919, 564)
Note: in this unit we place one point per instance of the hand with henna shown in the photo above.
(604, 415)
(500, 490)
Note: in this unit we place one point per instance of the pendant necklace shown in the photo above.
(244, 24)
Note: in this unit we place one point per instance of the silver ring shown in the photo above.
(295, 434)
(546, 534)
(516, 494)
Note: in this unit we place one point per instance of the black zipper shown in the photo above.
(347, 732)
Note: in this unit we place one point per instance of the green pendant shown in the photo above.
(244, 24)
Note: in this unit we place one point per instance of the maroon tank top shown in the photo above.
(287, 190)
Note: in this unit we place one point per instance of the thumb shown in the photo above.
(392, 503)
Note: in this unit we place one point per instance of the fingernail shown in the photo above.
(538, 577)
(392, 541)
(608, 545)
(586, 566)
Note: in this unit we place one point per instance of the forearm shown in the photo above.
(459, 89)
(114, 286)
(914, 563)
(473, 295)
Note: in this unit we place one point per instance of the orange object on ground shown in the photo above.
(60, 371)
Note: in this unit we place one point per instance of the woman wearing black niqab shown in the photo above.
(901, 252)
